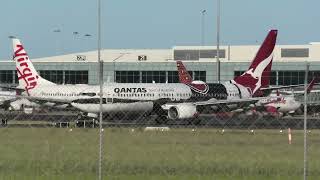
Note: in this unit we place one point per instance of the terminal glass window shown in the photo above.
(273, 78)
(173, 77)
(53, 76)
(127, 76)
(200, 75)
(76, 77)
(312, 74)
(153, 76)
(186, 54)
(238, 73)
(191, 73)
(296, 52)
(212, 53)
(294, 77)
(290, 77)
(6, 76)
(197, 54)
(301, 77)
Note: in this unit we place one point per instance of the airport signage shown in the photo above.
(81, 58)
(142, 58)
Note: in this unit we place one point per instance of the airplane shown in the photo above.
(6, 98)
(9, 101)
(277, 106)
(169, 101)
(287, 104)
(274, 104)
(31, 84)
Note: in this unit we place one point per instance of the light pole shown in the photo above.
(203, 13)
(100, 64)
(75, 37)
(305, 150)
(114, 65)
(218, 40)
(87, 39)
(57, 31)
(80, 40)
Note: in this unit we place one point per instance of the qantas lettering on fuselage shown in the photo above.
(130, 90)
(23, 70)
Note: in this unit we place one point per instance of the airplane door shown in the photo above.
(109, 98)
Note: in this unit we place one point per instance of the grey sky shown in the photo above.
(151, 23)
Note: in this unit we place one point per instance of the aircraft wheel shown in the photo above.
(194, 121)
(161, 120)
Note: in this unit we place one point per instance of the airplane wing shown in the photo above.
(214, 102)
(309, 88)
(40, 99)
(228, 101)
(18, 89)
(7, 99)
(289, 86)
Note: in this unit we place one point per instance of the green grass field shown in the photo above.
(180, 154)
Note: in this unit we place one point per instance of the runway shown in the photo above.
(67, 118)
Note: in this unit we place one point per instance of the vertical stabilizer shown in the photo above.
(258, 74)
(28, 77)
(311, 84)
(184, 76)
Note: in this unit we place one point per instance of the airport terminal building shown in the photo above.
(158, 65)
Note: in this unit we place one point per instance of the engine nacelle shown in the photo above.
(182, 111)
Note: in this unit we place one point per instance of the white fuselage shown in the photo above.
(61, 93)
(120, 97)
(128, 97)
(286, 104)
(236, 91)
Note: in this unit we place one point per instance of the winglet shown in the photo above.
(311, 84)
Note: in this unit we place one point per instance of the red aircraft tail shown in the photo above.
(184, 76)
(311, 84)
(258, 74)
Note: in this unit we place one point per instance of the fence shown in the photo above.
(262, 139)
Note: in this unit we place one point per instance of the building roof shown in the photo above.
(240, 53)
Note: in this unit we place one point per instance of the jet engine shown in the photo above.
(182, 111)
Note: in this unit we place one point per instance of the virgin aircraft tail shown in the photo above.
(28, 77)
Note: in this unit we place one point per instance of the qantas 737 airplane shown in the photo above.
(274, 103)
(174, 100)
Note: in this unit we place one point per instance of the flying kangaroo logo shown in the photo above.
(256, 73)
(24, 71)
